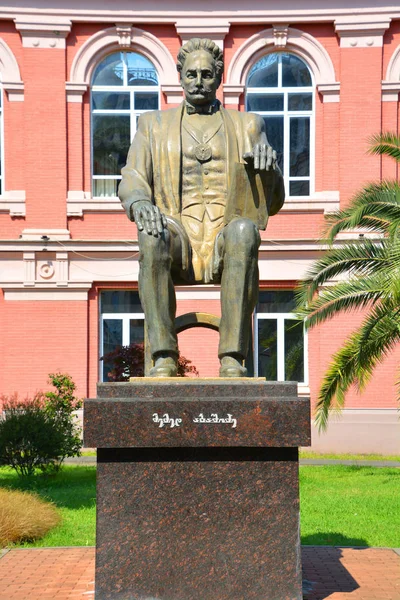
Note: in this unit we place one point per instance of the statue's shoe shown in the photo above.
(232, 371)
(164, 368)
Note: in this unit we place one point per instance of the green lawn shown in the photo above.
(340, 505)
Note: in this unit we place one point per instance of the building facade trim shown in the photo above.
(282, 38)
(10, 74)
(103, 42)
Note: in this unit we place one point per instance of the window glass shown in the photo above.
(111, 139)
(267, 349)
(264, 73)
(125, 85)
(276, 302)
(121, 323)
(279, 88)
(125, 301)
(294, 350)
(279, 338)
(110, 71)
(295, 72)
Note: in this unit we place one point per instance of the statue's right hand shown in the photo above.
(148, 217)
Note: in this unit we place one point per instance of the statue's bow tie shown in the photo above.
(202, 110)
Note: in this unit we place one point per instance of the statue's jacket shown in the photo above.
(153, 169)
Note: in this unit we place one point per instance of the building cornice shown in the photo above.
(234, 13)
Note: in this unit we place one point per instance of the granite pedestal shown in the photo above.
(197, 489)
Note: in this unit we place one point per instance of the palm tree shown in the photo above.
(372, 268)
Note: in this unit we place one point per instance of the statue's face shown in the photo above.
(199, 79)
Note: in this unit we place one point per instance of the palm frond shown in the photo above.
(342, 297)
(361, 258)
(376, 208)
(387, 144)
(355, 361)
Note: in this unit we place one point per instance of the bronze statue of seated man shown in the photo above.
(200, 181)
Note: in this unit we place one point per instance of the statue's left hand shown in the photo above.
(263, 157)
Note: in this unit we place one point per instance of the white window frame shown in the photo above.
(125, 318)
(134, 114)
(280, 341)
(279, 89)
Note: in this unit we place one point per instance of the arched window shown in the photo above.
(124, 85)
(280, 89)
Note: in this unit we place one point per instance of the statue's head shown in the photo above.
(201, 65)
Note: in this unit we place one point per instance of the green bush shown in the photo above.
(40, 432)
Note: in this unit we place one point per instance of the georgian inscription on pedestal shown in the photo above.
(171, 422)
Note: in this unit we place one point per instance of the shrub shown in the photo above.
(29, 437)
(24, 517)
(40, 432)
(128, 361)
(61, 406)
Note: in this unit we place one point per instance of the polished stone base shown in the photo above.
(197, 521)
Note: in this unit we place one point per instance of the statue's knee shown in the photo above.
(242, 233)
(153, 248)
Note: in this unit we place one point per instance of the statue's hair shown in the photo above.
(202, 44)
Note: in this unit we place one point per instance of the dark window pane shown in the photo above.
(109, 71)
(299, 146)
(136, 331)
(111, 141)
(276, 302)
(299, 188)
(294, 72)
(264, 73)
(300, 101)
(111, 100)
(274, 129)
(267, 349)
(256, 102)
(146, 101)
(294, 350)
(140, 70)
(126, 301)
(112, 338)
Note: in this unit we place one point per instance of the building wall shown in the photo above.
(49, 313)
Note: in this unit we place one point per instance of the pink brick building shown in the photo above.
(74, 78)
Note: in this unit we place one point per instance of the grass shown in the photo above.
(73, 492)
(375, 457)
(340, 505)
(350, 506)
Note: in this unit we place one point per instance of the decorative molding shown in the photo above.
(215, 30)
(124, 33)
(13, 202)
(232, 93)
(103, 42)
(361, 32)
(173, 93)
(75, 91)
(38, 234)
(391, 85)
(327, 201)
(390, 91)
(280, 35)
(10, 74)
(39, 31)
(29, 259)
(49, 294)
(80, 202)
(298, 42)
(330, 92)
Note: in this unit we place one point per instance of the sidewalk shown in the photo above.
(68, 573)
